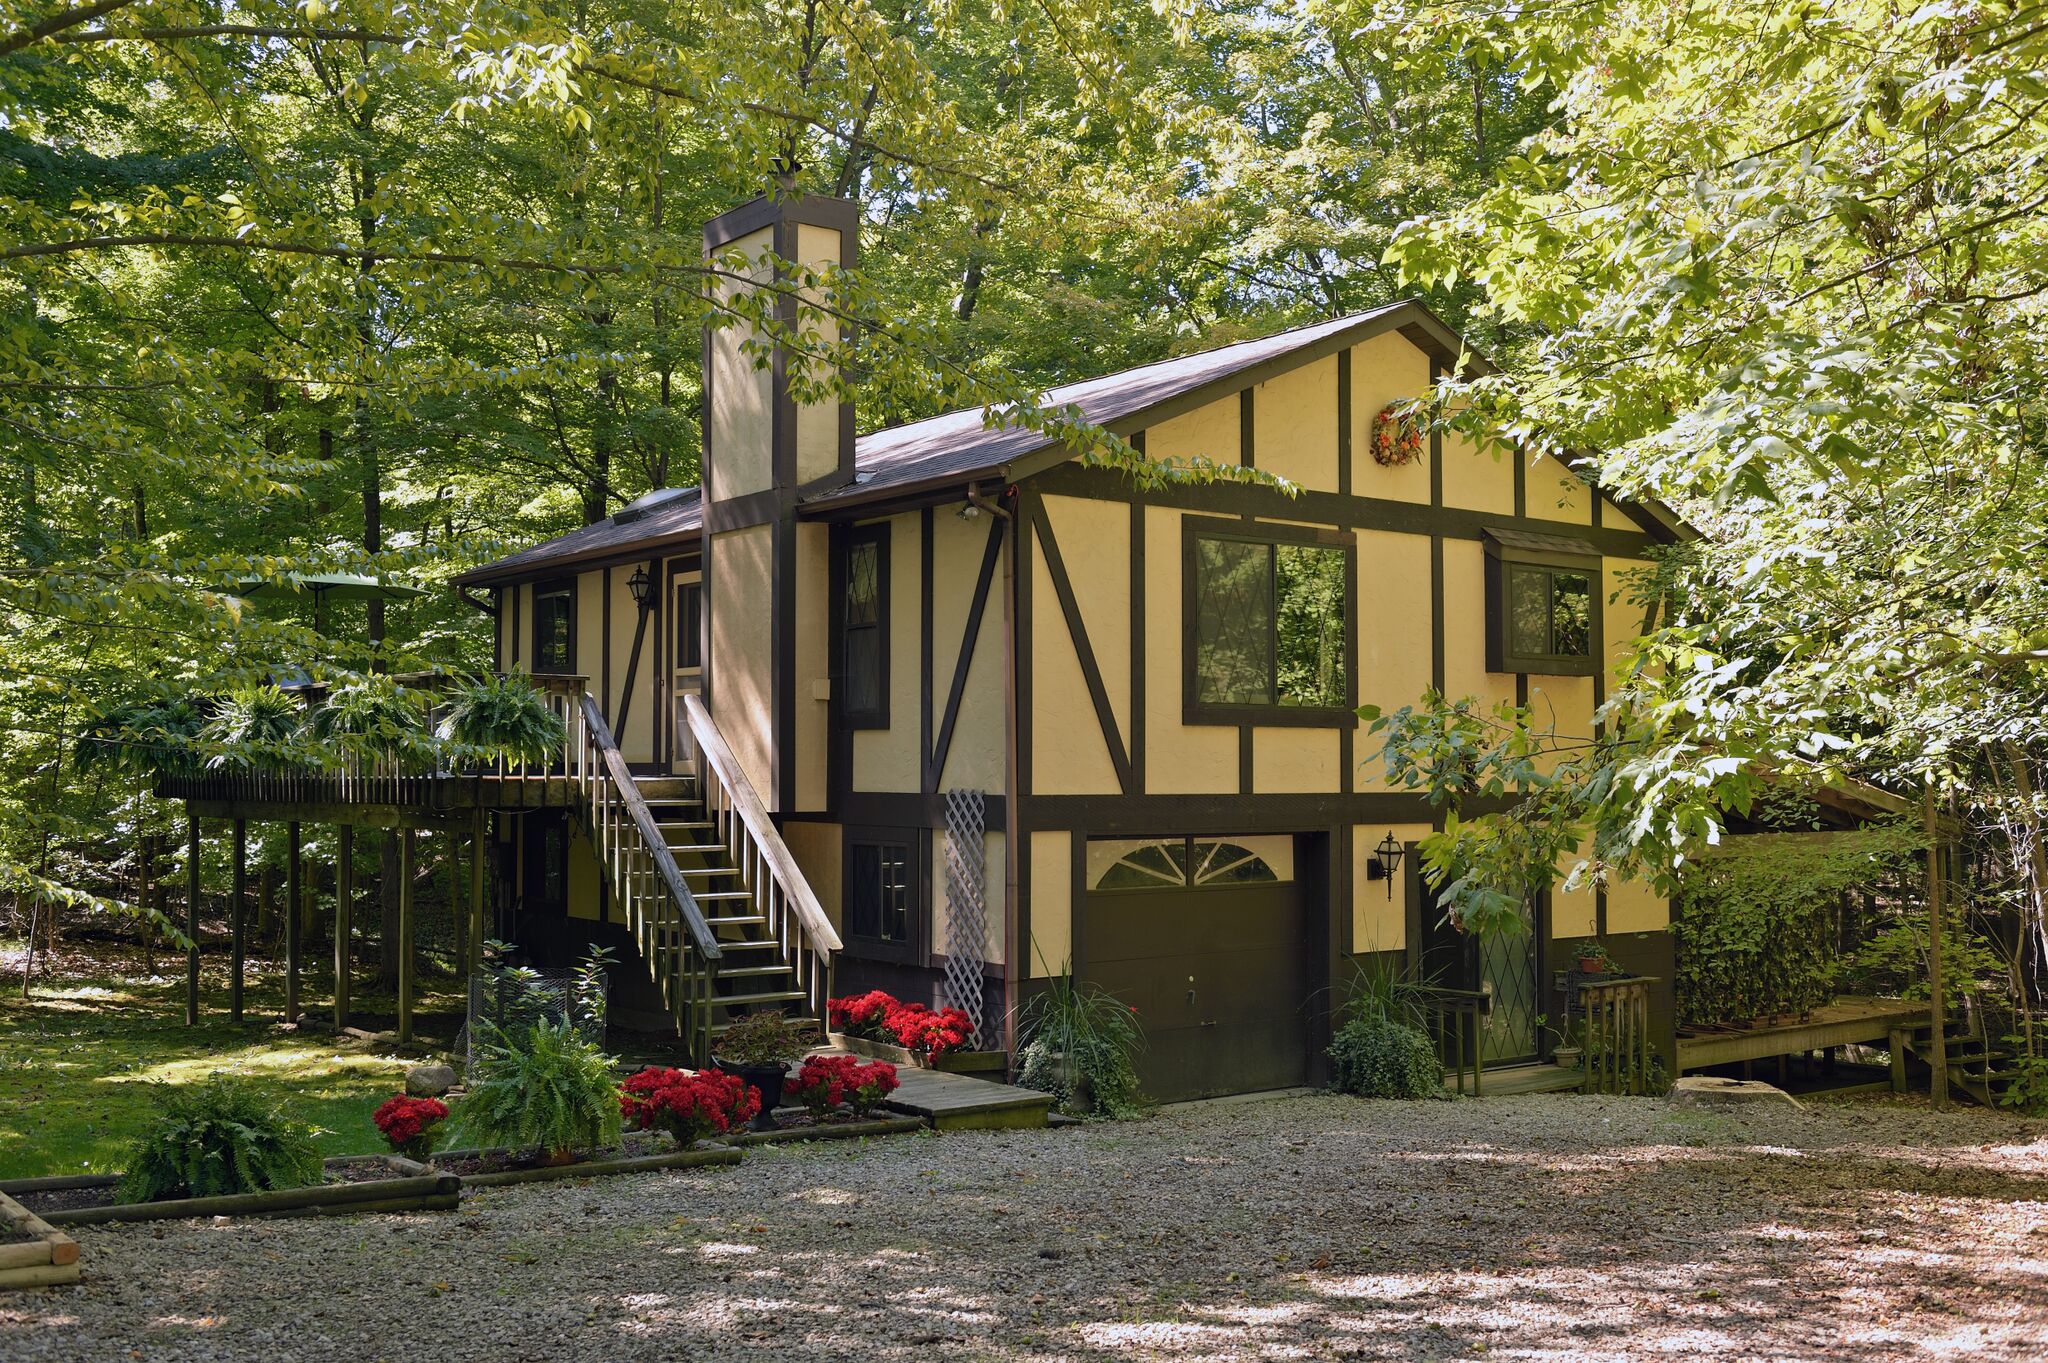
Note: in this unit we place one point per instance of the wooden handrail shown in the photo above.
(774, 852)
(627, 792)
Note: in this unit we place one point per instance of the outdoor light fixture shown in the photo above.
(638, 584)
(1386, 859)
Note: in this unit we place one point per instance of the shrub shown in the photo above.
(501, 719)
(1080, 1041)
(689, 1106)
(543, 1085)
(821, 1083)
(869, 1084)
(408, 1123)
(376, 718)
(1380, 1058)
(252, 727)
(216, 1139)
(880, 1016)
(862, 1015)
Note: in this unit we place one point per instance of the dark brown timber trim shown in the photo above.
(1245, 424)
(926, 591)
(935, 764)
(1137, 606)
(1344, 422)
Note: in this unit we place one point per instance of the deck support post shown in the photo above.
(192, 919)
(344, 910)
(296, 898)
(407, 849)
(238, 920)
(479, 824)
(1896, 1044)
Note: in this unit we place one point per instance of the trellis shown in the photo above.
(966, 907)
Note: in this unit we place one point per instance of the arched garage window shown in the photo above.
(1185, 862)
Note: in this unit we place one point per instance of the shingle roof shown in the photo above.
(958, 447)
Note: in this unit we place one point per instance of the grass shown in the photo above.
(78, 1056)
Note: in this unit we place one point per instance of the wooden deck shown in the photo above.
(1516, 1079)
(1842, 1023)
(965, 1102)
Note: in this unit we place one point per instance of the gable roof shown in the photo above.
(958, 447)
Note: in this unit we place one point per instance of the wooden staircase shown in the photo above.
(723, 917)
(1976, 1064)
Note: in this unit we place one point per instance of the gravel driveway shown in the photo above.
(1546, 1227)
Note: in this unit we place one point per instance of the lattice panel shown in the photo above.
(966, 906)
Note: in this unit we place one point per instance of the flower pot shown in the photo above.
(1592, 965)
(555, 1159)
(767, 1081)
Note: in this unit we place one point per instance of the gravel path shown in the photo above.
(1528, 1228)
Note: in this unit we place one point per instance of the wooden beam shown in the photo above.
(478, 839)
(237, 920)
(407, 850)
(192, 920)
(344, 913)
(295, 904)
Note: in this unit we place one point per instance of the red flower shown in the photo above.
(880, 1016)
(408, 1123)
(689, 1106)
(862, 1015)
(867, 1085)
(821, 1083)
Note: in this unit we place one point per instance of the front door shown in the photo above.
(1206, 939)
(686, 656)
(1501, 965)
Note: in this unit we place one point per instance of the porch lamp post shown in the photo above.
(1386, 859)
(639, 585)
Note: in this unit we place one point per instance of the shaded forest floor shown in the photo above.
(77, 1056)
(1550, 1227)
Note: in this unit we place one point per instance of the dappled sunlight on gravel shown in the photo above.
(1541, 1228)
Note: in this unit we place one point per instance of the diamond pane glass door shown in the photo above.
(1507, 969)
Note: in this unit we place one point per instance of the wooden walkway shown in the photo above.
(1842, 1023)
(962, 1102)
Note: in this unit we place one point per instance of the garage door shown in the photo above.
(1206, 938)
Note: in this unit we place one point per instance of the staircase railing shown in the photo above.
(1457, 1023)
(781, 894)
(680, 949)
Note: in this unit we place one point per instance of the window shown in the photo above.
(689, 625)
(1543, 612)
(881, 888)
(554, 627)
(1268, 628)
(864, 629)
(1177, 863)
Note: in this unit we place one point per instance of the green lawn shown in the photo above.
(77, 1059)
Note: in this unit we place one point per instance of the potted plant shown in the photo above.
(690, 1107)
(820, 1084)
(409, 1124)
(1593, 959)
(501, 720)
(759, 1048)
(1079, 1041)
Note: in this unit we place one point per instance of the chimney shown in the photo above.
(762, 452)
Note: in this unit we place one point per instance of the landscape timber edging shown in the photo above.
(48, 1260)
(953, 1062)
(630, 1164)
(843, 1131)
(417, 1189)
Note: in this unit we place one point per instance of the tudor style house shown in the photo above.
(940, 709)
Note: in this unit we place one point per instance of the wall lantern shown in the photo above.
(1386, 859)
(638, 584)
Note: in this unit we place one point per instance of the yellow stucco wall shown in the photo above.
(1379, 909)
(1213, 432)
(742, 697)
(817, 849)
(975, 760)
(1393, 625)
(1479, 480)
(1465, 671)
(1304, 760)
(1294, 425)
(740, 445)
(1069, 753)
(1052, 904)
(817, 423)
(1095, 544)
(1385, 369)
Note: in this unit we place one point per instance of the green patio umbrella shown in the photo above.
(325, 587)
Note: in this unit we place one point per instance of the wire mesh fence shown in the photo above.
(510, 999)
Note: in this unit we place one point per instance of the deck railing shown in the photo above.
(1614, 1020)
(681, 951)
(1457, 1022)
(420, 774)
(781, 894)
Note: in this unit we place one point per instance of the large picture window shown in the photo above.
(864, 626)
(1269, 634)
(1543, 607)
(554, 627)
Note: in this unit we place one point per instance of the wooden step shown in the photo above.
(728, 972)
(765, 996)
(702, 849)
(664, 826)
(736, 921)
(723, 896)
(654, 788)
(709, 870)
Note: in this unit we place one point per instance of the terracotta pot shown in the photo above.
(555, 1159)
(1592, 965)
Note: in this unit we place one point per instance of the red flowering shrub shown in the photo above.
(689, 1106)
(867, 1085)
(863, 1015)
(821, 1084)
(880, 1016)
(408, 1123)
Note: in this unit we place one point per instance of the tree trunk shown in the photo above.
(1936, 907)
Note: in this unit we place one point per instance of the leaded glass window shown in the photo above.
(864, 622)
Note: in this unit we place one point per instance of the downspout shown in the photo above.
(1012, 948)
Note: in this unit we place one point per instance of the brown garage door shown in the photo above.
(1206, 939)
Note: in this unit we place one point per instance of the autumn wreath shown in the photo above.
(1396, 435)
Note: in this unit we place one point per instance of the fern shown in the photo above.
(217, 1139)
(377, 718)
(254, 726)
(541, 1085)
(502, 719)
(148, 738)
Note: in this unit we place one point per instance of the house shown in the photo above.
(943, 710)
